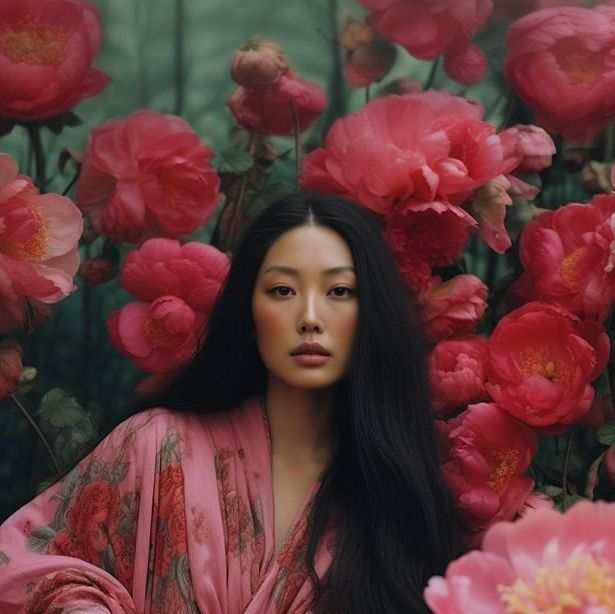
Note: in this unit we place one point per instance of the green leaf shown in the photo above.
(232, 161)
(553, 491)
(568, 501)
(606, 433)
(59, 409)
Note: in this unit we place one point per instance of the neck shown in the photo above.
(301, 423)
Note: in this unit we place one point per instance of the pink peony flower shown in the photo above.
(453, 307)
(536, 501)
(529, 147)
(46, 52)
(270, 111)
(457, 372)
(487, 453)
(157, 336)
(193, 272)
(545, 562)
(540, 365)
(430, 29)
(144, 175)
(568, 257)
(561, 62)
(259, 65)
(39, 235)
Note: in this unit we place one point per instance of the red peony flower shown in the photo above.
(561, 63)
(46, 53)
(487, 453)
(39, 235)
(540, 365)
(144, 175)
(430, 29)
(568, 257)
(452, 307)
(193, 272)
(270, 111)
(457, 372)
(157, 336)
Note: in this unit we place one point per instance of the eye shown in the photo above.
(342, 291)
(280, 291)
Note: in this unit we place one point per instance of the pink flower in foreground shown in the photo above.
(561, 62)
(568, 257)
(452, 307)
(145, 175)
(46, 53)
(39, 235)
(430, 29)
(157, 336)
(270, 111)
(487, 453)
(193, 272)
(545, 562)
(457, 372)
(540, 366)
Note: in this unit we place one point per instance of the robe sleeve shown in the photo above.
(73, 548)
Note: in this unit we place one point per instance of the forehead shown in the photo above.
(308, 248)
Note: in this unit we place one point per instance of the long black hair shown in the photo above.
(395, 519)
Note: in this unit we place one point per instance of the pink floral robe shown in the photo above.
(171, 513)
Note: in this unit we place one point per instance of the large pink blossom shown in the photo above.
(569, 257)
(147, 175)
(545, 562)
(158, 336)
(453, 307)
(457, 372)
(193, 272)
(540, 365)
(428, 29)
(39, 235)
(487, 454)
(46, 54)
(561, 62)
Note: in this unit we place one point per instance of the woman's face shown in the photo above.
(306, 292)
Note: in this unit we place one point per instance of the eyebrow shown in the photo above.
(291, 271)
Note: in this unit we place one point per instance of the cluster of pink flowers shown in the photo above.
(175, 286)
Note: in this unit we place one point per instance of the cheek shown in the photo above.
(268, 321)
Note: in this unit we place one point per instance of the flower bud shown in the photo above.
(97, 271)
(259, 65)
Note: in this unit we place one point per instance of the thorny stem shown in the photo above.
(42, 437)
(297, 133)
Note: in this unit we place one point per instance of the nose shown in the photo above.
(308, 321)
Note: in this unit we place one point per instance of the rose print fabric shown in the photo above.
(171, 513)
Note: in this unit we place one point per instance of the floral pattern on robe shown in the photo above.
(171, 513)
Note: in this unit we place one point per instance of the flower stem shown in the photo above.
(34, 133)
(367, 94)
(566, 461)
(432, 74)
(42, 437)
(179, 57)
(297, 133)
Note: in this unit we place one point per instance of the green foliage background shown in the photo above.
(174, 56)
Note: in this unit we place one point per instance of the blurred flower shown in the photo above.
(11, 367)
(545, 562)
(540, 367)
(452, 307)
(157, 336)
(369, 58)
(146, 175)
(193, 272)
(486, 454)
(270, 111)
(39, 234)
(403, 85)
(430, 29)
(457, 372)
(259, 64)
(568, 257)
(536, 501)
(97, 271)
(46, 52)
(561, 62)
(529, 147)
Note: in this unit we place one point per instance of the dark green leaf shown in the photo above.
(606, 433)
(232, 161)
(568, 501)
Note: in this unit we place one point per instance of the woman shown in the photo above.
(291, 467)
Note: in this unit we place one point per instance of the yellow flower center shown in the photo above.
(538, 361)
(583, 581)
(158, 335)
(569, 268)
(33, 227)
(581, 66)
(32, 42)
(505, 463)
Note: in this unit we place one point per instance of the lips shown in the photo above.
(310, 348)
